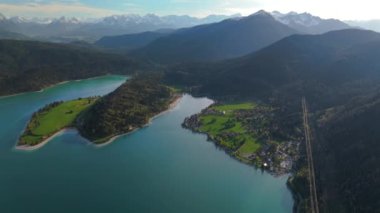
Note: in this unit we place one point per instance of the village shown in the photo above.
(250, 133)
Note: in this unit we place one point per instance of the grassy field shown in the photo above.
(215, 124)
(227, 130)
(249, 146)
(47, 122)
(234, 107)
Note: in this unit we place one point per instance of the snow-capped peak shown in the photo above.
(64, 20)
(304, 19)
(261, 13)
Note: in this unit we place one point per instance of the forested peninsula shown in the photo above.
(129, 107)
(99, 119)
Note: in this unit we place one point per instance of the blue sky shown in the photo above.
(342, 9)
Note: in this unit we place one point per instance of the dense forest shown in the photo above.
(347, 156)
(127, 108)
(337, 72)
(31, 65)
(328, 69)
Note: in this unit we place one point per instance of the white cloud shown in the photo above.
(55, 9)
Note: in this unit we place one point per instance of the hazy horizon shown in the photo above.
(343, 10)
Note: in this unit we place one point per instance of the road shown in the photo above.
(313, 189)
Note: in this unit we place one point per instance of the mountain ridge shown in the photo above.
(226, 39)
(92, 29)
(308, 23)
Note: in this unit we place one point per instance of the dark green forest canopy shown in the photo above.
(127, 108)
(328, 69)
(30, 65)
(347, 155)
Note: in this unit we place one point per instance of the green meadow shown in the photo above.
(234, 107)
(227, 130)
(52, 119)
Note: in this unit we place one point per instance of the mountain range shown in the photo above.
(295, 63)
(226, 39)
(68, 29)
(309, 24)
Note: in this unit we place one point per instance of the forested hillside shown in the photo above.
(339, 74)
(30, 65)
(130, 41)
(347, 156)
(322, 67)
(127, 108)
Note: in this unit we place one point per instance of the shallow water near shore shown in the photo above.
(159, 168)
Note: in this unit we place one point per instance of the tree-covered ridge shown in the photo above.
(127, 108)
(53, 118)
(328, 69)
(30, 65)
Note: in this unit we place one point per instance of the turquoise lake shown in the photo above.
(160, 168)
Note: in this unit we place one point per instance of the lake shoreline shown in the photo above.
(42, 143)
(163, 150)
(171, 106)
(267, 163)
(56, 84)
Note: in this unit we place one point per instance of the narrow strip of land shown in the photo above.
(313, 191)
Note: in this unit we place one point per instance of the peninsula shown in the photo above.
(51, 119)
(248, 132)
(99, 119)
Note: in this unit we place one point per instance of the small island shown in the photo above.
(250, 133)
(100, 119)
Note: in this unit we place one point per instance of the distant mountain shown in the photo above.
(309, 24)
(369, 25)
(302, 64)
(226, 39)
(130, 41)
(69, 29)
(30, 65)
(10, 35)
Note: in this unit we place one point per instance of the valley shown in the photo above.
(178, 165)
(211, 118)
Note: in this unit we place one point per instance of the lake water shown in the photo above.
(160, 168)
